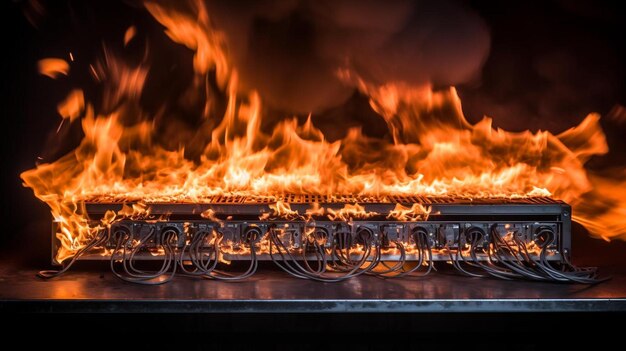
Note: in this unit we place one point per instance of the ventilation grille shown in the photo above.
(360, 199)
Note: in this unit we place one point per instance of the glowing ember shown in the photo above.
(434, 150)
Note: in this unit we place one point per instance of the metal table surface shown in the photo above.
(95, 289)
(91, 287)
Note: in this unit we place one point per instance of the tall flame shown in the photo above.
(434, 150)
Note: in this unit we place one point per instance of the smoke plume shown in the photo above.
(291, 51)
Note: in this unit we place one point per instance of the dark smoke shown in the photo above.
(290, 51)
(550, 64)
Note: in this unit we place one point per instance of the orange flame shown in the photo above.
(417, 212)
(349, 212)
(73, 105)
(282, 210)
(129, 34)
(53, 67)
(434, 150)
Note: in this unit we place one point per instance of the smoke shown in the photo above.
(291, 51)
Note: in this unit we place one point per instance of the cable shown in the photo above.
(422, 243)
(134, 275)
(101, 237)
(289, 264)
(458, 257)
(351, 250)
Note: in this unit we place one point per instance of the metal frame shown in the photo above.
(531, 211)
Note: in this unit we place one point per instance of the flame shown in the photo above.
(349, 212)
(433, 149)
(417, 212)
(129, 34)
(603, 210)
(53, 67)
(73, 105)
(210, 214)
(135, 211)
(282, 209)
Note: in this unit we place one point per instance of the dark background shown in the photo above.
(551, 63)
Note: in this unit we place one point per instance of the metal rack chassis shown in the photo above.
(457, 215)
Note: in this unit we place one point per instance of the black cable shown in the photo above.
(290, 265)
(422, 242)
(582, 276)
(514, 264)
(219, 275)
(458, 257)
(101, 237)
(134, 275)
(505, 257)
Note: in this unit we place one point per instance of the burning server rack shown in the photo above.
(528, 238)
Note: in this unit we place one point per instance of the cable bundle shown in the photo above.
(333, 258)
(509, 258)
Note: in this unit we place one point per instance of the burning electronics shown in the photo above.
(196, 195)
(335, 238)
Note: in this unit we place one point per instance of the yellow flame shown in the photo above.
(282, 209)
(349, 212)
(417, 212)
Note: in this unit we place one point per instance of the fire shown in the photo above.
(349, 212)
(53, 67)
(129, 34)
(73, 105)
(417, 212)
(282, 209)
(433, 149)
